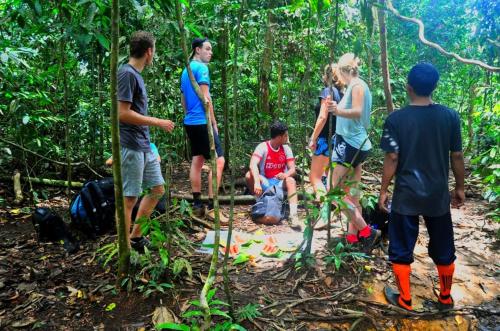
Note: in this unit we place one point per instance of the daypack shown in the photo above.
(93, 209)
(50, 227)
(376, 218)
(270, 206)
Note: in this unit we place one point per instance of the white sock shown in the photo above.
(293, 209)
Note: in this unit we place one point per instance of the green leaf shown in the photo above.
(38, 8)
(185, 3)
(211, 294)
(26, 119)
(218, 302)
(103, 41)
(172, 326)
(241, 258)
(338, 262)
(111, 306)
(219, 312)
(192, 313)
(339, 248)
(194, 30)
(237, 327)
(164, 256)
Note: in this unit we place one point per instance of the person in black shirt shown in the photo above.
(420, 140)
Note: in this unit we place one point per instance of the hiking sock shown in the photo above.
(351, 238)
(365, 232)
(210, 203)
(445, 281)
(293, 209)
(197, 199)
(402, 275)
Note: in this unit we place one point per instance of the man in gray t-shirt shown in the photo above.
(140, 167)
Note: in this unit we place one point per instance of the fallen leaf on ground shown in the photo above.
(164, 315)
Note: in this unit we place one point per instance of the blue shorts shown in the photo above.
(403, 233)
(322, 147)
(140, 171)
(268, 182)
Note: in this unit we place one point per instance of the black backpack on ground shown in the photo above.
(93, 209)
(377, 219)
(50, 227)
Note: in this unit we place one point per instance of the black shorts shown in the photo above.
(200, 144)
(345, 154)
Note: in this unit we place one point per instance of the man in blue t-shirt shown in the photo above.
(419, 141)
(195, 123)
(140, 166)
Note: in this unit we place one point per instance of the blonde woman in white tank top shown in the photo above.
(351, 147)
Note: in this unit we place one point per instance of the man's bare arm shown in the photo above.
(458, 168)
(389, 170)
(128, 116)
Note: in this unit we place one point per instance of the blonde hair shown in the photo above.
(332, 75)
(349, 63)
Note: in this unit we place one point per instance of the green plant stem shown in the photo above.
(123, 232)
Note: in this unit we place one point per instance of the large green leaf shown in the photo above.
(103, 41)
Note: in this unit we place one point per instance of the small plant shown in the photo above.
(152, 287)
(341, 255)
(193, 316)
(249, 312)
(107, 252)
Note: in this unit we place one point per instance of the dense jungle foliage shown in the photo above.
(55, 60)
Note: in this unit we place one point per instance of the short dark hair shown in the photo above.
(423, 79)
(140, 42)
(278, 129)
(197, 42)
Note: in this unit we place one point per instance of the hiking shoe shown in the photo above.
(198, 210)
(367, 244)
(392, 296)
(224, 221)
(139, 243)
(295, 223)
(441, 306)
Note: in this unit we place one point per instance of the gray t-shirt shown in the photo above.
(423, 137)
(131, 89)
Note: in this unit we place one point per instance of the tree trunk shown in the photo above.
(266, 68)
(335, 32)
(100, 81)
(67, 142)
(470, 120)
(123, 232)
(227, 287)
(18, 192)
(223, 42)
(384, 61)
(236, 104)
(212, 273)
(280, 86)
(369, 53)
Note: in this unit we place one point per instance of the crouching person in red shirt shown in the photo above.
(273, 164)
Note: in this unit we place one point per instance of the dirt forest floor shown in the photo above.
(43, 288)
